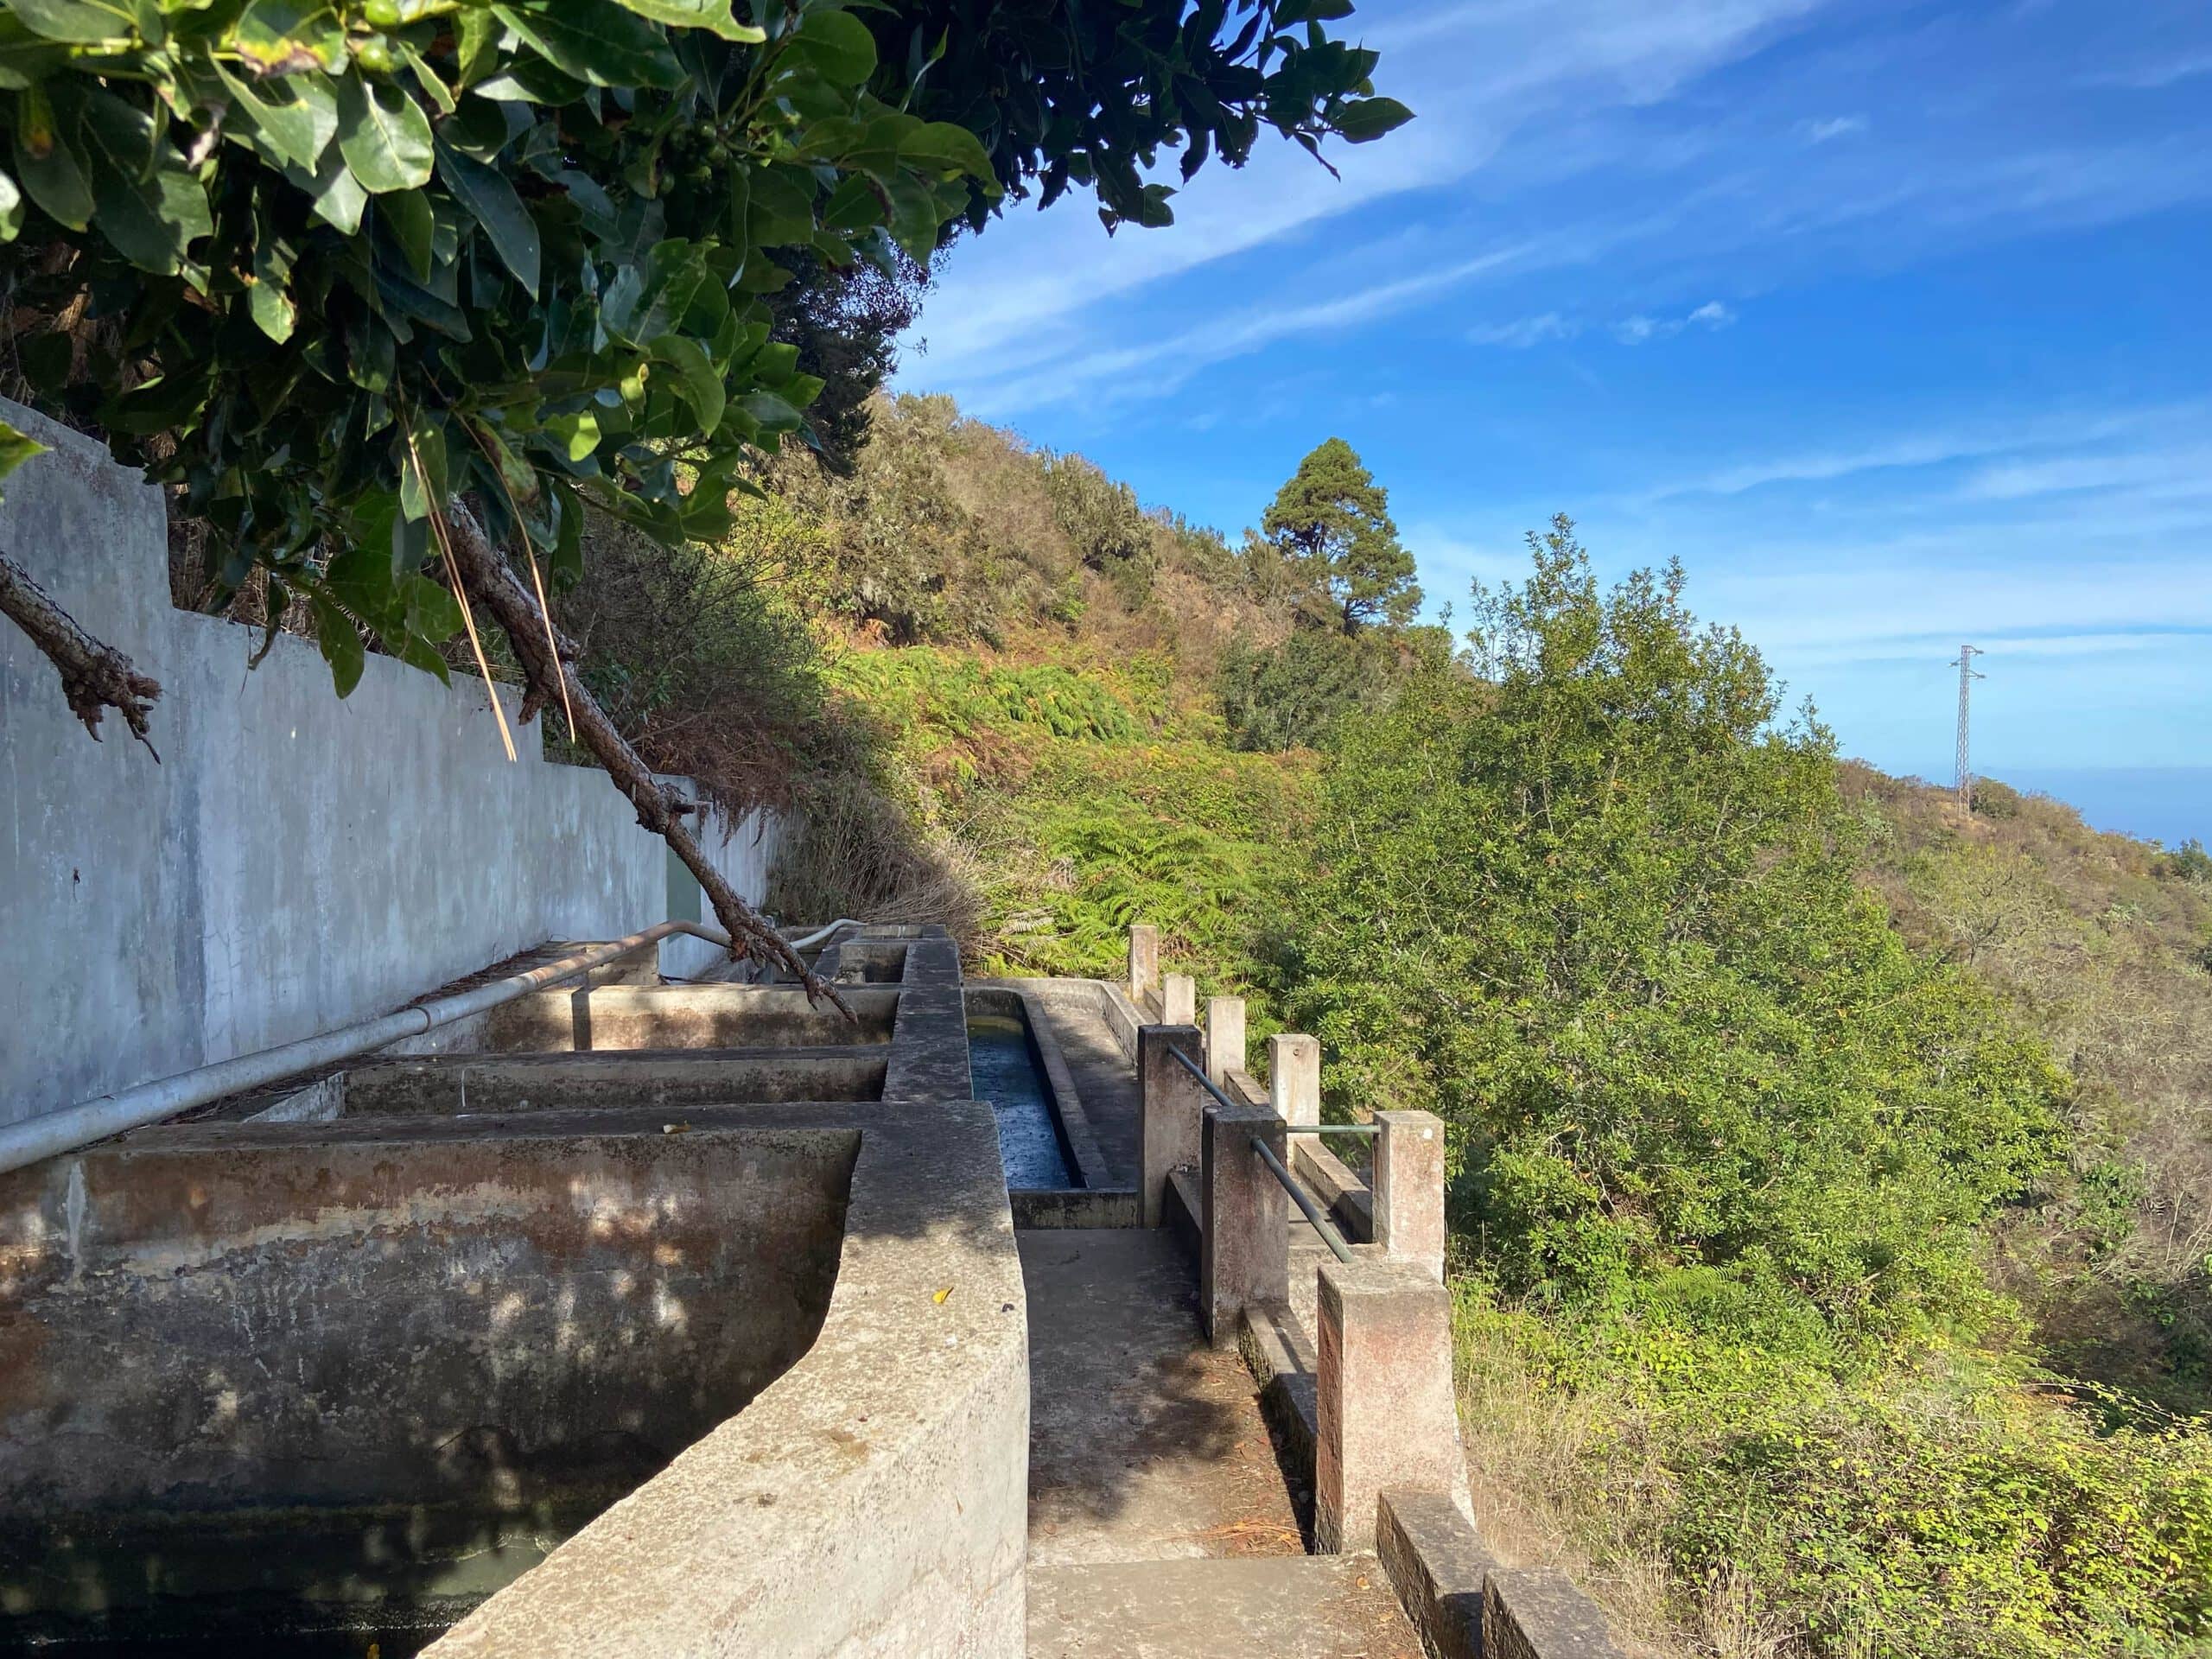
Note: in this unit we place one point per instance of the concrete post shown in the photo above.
(1224, 1038)
(1385, 1415)
(1178, 1001)
(1246, 1259)
(1144, 963)
(1408, 1188)
(1171, 1101)
(1294, 1078)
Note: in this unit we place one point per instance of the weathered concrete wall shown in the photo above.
(872, 1503)
(405, 1311)
(294, 862)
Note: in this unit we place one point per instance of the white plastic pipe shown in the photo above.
(54, 1133)
(820, 934)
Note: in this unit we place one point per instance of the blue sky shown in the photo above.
(1890, 320)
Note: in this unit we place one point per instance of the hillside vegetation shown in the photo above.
(1829, 1180)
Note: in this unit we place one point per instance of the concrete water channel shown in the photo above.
(643, 1315)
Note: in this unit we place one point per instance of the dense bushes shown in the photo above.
(1729, 1153)
(1591, 907)
(1941, 1505)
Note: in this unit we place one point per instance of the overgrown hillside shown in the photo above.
(2102, 943)
(1830, 1183)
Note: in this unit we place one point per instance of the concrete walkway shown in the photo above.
(1144, 1444)
(1161, 1524)
(1268, 1607)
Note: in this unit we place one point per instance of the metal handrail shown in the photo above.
(1299, 1195)
(1304, 1200)
(54, 1133)
(1205, 1082)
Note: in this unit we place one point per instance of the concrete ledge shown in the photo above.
(1121, 1015)
(1047, 1208)
(1535, 1613)
(502, 1083)
(1439, 1568)
(1279, 1356)
(1183, 1212)
(1337, 1184)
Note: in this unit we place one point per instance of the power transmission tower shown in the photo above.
(1967, 675)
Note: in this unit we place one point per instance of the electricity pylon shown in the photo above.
(1967, 675)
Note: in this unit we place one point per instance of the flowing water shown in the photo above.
(1006, 1073)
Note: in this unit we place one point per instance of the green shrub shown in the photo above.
(1601, 913)
(1994, 800)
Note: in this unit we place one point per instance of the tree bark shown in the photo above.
(94, 677)
(493, 584)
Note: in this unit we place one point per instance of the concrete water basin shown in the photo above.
(293, 1384)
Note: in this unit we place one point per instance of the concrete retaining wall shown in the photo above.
(411, 1310)
(294, 862)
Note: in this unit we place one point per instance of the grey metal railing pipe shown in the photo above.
(54, 1133)
(1304, 1200)
(1299, 1195)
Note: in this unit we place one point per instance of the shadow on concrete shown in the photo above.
(1145, 1443)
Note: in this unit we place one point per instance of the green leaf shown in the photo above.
(568, 560)
(577, 434)
(81, 21)
(476, 50)
(773, 413)
(941, 144)
(1365, 119)
(282, 37)
(490, 200)
(835, 45)
(11, 209)
(340, 640)
(298, 123)
(697, 14)
(339, 198)
(151, 216)
(47, 164)
(421, 453)
(701, 384)
(16, 448)
(270, 299)
(595, 41)
(412, 223)
(360, 578)
(434, 89)
(432, 611)
(384, 136)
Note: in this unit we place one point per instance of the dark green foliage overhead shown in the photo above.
(341, 263)
(1065, 95)
(845, 324)
(1599, 909)
(1330, 526)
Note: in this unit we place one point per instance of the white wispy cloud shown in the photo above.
(1475, 75)
(1525, 332)
(1838, 126)
(1936, 446)
(1637, 330)
(2153, 76)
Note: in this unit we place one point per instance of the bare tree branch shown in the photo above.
(94, 677)
(493, 583)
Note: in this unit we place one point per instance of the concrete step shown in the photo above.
(1254, 1607)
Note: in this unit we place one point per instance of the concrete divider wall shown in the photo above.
(294, 862)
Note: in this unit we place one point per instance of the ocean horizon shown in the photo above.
(2169, 804)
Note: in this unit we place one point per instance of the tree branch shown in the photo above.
(493, 584)
(94, 677)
